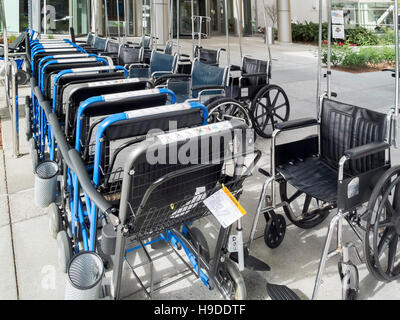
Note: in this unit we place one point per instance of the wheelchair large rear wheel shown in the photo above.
(269, 107)
(381, 237)
(223, 109)
(305, 211)
(233, 276)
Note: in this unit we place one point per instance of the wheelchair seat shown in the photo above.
(343, 127)
(129, 55)
(254, 67)
(207, 56)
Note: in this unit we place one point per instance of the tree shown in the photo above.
(272, 12)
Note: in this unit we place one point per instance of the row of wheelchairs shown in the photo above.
(94, 122)
(106, 132)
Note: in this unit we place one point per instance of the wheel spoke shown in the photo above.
(307, 203)
(385, 240)
(276, 99)
(279, 117)
(392, 253)
(280, 106)
(295, 196)
(390, 208)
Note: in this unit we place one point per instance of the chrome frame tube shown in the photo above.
(266, 35)
(192, 10)
(228, 54)
(178, 26)
(397, 68)
(328, 73)
(118, 23)
(106, 18)
(319, 67)
(239, 26)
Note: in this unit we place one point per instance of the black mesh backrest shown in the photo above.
(89, 40)
(112, 47)
(179, 198)
(207, 56)
(100, 44)
(18, 42)
(129, 55)
(343, 127)
(252, 66)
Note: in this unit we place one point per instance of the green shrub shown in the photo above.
(387, 37)
(361, 36)
(354, 59)
(308, 32)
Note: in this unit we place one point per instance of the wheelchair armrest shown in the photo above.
(175, 76)
(252, 75)
(235, 68)
(366, 150)
(142, 65)
(296, 124)
(185, 55)
(210, 87)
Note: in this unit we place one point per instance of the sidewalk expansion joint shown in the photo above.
(11, 225)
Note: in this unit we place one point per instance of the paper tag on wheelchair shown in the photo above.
(244, 92)
(353, 188)
(225, 208)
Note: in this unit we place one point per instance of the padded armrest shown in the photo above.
(296, 124)
(235, 68)
(211, 87)
(252, 75)
(176, 76)
(366, 150)
(133, 65)
(185, 55)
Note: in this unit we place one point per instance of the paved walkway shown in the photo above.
(28, 264)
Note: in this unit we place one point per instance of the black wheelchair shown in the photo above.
(266, 104)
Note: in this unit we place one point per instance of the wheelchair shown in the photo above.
(340, 167)
(208, 56)
(266, 104)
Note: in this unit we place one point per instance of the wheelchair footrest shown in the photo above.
(278, 292)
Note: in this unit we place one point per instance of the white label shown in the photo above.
(194, 132)
(91, 69)
(244, 92)
(338, 31)
(337, 17)
(124, 95)
(157, 110)
(77, 60)
(111, 82)
(223, 209)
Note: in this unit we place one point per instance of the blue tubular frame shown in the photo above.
(102, 126)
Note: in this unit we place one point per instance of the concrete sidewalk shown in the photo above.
(28, 264)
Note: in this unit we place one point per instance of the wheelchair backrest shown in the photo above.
(168, 47)
(100, 43)
(345, 126)
(252, 66)
(90, 38)
(128, 55)
(122, 136)
(204, 75)
(112, 47)
(207, 56)
(145, 42)
(165, 191)
(162, 62)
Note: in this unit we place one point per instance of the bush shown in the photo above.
(346, 56)
(309, 32)
(361, 37)
(387, 37)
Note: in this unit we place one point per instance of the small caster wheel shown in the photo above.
(275, 231)
(55, 223)
(349, 278)
(64, 250)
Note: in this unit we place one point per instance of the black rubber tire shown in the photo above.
(64, 250)
(273, 233)
(198, 237)
(383, 189)
(319, 215)
(22, 77)
(237, 278)
(265, 127)
(55, 222)
(351, 294)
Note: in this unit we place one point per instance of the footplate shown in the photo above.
(278, 292)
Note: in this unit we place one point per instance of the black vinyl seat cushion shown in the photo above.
(313, 177)
(343, 127)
